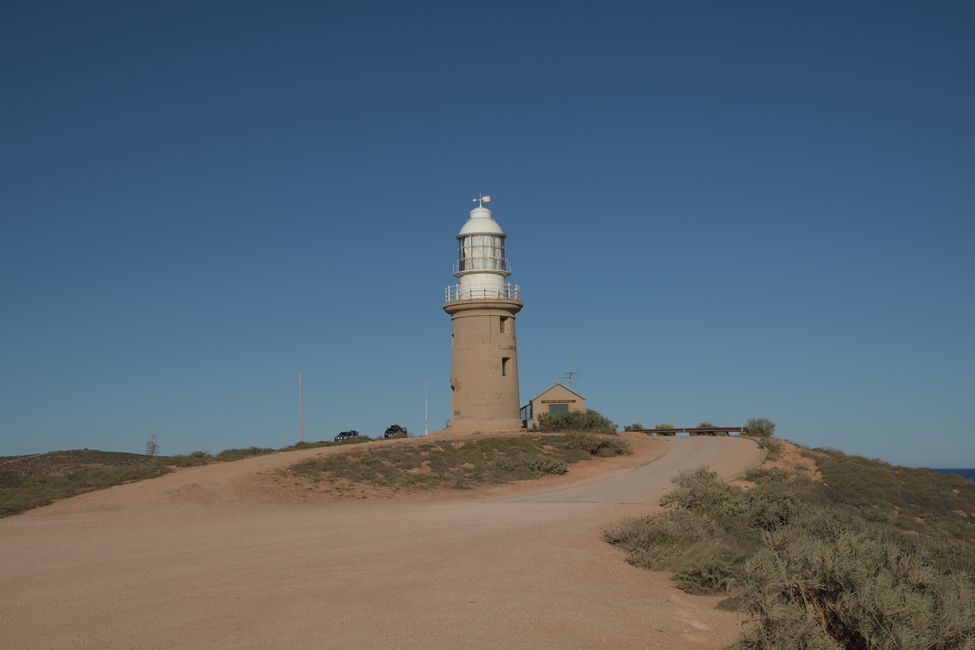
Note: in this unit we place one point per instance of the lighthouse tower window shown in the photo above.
(504, 366)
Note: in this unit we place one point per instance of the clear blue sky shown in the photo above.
(715, 210)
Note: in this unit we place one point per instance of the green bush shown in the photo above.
(636, 426)
(760, 428)
(596, 445)
(535, 463)
(588, 420)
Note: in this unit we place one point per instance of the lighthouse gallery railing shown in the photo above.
(457, 292)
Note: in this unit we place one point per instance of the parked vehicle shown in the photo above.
(395, 431)
(347, 435)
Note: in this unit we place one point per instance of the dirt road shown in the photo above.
(227, 556)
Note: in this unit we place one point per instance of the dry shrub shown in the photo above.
(760, 428)
(814, 566)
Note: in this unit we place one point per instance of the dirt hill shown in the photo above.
(240, 555)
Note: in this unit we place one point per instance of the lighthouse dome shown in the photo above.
(481, 222)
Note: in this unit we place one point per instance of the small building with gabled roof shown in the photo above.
(557, 399)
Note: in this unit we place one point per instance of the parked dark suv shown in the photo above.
(395, 431)
(347, 435)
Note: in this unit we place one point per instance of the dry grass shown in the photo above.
(460, 465)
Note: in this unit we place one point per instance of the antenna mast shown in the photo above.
(152, 447)
(571, 374)
(301, 412)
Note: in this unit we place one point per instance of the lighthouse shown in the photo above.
(483, 348)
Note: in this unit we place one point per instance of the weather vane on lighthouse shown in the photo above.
(481, 200)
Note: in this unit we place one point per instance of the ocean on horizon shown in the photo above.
(967, 473)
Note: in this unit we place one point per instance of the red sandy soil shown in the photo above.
(239, 555)
(789, 457)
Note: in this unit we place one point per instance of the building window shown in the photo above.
(504, 324)
(558, 408)
(504, 366)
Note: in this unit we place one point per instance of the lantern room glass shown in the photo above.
(481, 253)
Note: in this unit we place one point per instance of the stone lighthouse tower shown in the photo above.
(482, 308)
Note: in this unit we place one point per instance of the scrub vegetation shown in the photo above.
(205, 457)
(771, 445)
(708, 425)
(665, 429)
(588, 420)
(759, 428)
(453, 464)
(874, 556)
(36, 480)
(30, 481)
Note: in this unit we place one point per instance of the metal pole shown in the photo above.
(426, 410)
(301, 412)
